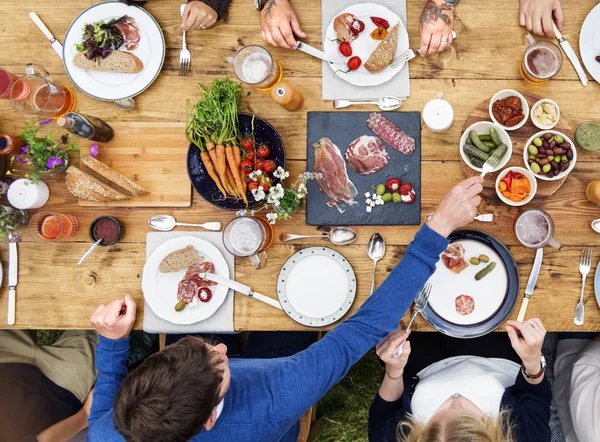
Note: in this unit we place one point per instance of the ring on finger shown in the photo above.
(202, 26)
(444, 40)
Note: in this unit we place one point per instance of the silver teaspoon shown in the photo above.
(376, 251)
(166, 223)
(387, 103)
(339, 236)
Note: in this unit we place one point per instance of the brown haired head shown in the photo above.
(171, 395)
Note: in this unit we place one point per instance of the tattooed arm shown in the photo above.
(437, 19)
(279, 24)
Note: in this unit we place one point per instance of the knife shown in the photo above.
(308, 49)
(241, 288)
(58, 48)
(535, 271)
(570, 55)
(13, 273)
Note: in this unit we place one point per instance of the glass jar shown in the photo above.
(289, 204)
(60, 168)
(587, 136)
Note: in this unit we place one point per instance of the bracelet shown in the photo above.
(391, 377)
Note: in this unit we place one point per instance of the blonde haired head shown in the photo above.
(461, 427)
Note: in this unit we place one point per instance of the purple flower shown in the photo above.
(94, 150)
(22, 159)
(45, 122)
(53, 162)
(25, 149)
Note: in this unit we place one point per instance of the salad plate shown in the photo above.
(113, 86)
(589, 42)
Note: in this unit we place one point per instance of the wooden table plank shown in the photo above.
(54, 293)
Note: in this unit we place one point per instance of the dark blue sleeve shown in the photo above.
(385, 416)
(111, 363)
(530, 409)
(307, 376)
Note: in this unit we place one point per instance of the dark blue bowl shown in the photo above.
(204, 185)
(503, 312)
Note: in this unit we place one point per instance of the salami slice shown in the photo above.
(391, 134)
(188, 288)
(464, 305)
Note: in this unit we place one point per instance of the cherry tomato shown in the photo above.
(252, 185)
(250, 155)
(247, 174)
(345, 49)
(412, 196)
(270, 166)
(263, 150)
(393, 185)
(247, 165)
(204, 294)
(357, 26)
(260, 163)
(354, 63)
(405, 188)
(248, 143)
(380, 22)
(265, 184)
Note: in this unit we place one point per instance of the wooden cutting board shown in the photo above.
(154, 155)
(518, 137)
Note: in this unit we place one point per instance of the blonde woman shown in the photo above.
(441, 395)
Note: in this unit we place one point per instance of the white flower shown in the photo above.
(281, 173)
(255, 175)
(272, 217)
(241, 212)
(307, 175)
(258, 194)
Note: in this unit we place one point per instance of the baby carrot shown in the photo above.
(235, 171)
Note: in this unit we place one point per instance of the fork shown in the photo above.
(489, 165)
(185, 57)
(408, 55)
(420, 304)
(584, 268)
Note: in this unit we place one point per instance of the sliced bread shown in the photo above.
(383, 55)
(86, 187)
(179, 260)
(117, 61)
(110, 174)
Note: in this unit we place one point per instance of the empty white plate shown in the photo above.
(316, 286)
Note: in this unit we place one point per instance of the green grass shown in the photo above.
(344, 410)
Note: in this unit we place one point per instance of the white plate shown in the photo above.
(113, 85)
(364, 45)
(316, 286)
(589, 42)
(160, 289)
(488, 293)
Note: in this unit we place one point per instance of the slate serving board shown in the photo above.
(343, 128)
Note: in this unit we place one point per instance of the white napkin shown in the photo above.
(221, 321)
(335, 88)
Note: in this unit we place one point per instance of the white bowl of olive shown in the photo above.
(550, 155)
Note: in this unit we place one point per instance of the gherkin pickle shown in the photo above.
(485, 271)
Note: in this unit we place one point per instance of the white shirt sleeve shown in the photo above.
(585, 393)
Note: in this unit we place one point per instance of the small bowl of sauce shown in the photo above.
(107, 228)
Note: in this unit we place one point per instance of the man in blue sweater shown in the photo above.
(192, 391)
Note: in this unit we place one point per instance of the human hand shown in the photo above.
(436, 20)
(458, 207)
(536, 16)
(529, 346)
(394, 367)
(279, 24)
(115, 320)
(198, 15)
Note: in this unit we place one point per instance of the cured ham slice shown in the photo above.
(334, 182)
(391, 134)
(130, 32)
(195, 270)
(367, 155)
(341, 26)
(454, 258)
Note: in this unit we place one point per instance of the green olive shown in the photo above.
(380, 189)
(559, 139)
(474, 261)
(535, 167)
(537, 141)
(550, 157)
(484, 258)
(564, 158)
(387, 197)
(532, 149)
(180, 306)
(546, 168)
(532, 157)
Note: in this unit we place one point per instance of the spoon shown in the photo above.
(339, 236)
(387, 103)
(596, 225)
(90, 250)
(166, 223)
(376, 251)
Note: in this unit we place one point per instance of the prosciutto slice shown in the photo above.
(335, 182)
(195, 270)
(367, 155)
(391, 134)
(341, 26)
(454, 258)
(130, 32)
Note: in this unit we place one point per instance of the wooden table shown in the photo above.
(53, 292)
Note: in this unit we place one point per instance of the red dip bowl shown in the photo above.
(107, 228)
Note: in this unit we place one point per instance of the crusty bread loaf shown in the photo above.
(117, 61)
(102, 169)
(383, 55)
(179, 260)
(86, 187)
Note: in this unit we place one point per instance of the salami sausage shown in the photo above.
(391, 134)
(464, 305)
(188, 288)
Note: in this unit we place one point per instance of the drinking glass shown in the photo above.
(249, 237)
(49, 227)
(35, 93)
(593, 192)
(254, 65)
(535, 229)
(7, 80)
(542, 60)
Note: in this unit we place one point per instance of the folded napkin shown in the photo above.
(221, 321)
(335, 88)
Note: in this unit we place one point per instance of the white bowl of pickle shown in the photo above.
(545, 114)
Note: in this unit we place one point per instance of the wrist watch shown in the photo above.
(537, 375)
(259, 4)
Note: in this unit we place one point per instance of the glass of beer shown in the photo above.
(50, 227)
(36, 94)
(254, 66)
(542, 60)
(249, 237)
(535, 229)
